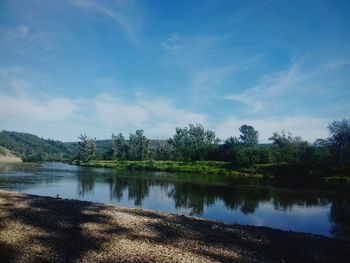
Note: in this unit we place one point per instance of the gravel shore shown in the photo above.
(44, 229)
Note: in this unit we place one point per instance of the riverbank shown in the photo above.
(284, 171)
(45, 229)
(199, 167)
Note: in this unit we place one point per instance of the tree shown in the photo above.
(339, 142)
(193, 142)
(228, 151)
(87, 148)
(288, 148)
(138, 146)
(119, 147)
(162, 150)
(249, 136)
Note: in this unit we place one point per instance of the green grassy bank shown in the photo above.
(200, 167)
(280, 170)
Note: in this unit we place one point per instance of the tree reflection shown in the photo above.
(191, 196)
(246, 199)
(86, 182)
(340, 218)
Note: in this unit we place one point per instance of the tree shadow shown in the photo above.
(250, 243)
(69, 230)
(57, 225)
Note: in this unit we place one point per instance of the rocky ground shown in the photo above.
(44, 229)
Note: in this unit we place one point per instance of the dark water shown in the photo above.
(215, 197)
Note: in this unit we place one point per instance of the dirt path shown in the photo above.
(44, 229)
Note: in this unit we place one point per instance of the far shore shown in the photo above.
(45, 229)
(281, 171)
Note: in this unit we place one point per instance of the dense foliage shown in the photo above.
(287, 154)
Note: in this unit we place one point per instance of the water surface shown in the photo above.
(210, 196)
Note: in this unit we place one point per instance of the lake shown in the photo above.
(221, 198)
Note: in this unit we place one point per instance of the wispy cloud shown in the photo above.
(124, 13)
(27, 41)
(208, 82)
(212, 82)
(338, 64)
(158, 117)
(172, 43)
(21, 102)
(269, 87)
(27, 108)
(17, 33)
(17, 80)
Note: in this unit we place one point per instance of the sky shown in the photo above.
(101, 67)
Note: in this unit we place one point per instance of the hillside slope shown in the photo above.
(7, 157)
(32, 148)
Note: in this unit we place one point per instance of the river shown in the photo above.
(228, 200)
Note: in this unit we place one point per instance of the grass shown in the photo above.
(199, 167)
(339, 179)
(284, 171)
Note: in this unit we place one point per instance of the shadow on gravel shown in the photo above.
(60, 221)
(250, 243)
(7, 252)
(60, 229)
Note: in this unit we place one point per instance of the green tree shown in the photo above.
(194, 142)
(162, 150)
(228, 151)
(138, 146)
(87, 148)
(119, 147)
(249, 136)
(287, 148)
(339, 142)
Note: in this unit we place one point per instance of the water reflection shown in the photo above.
(214, 197)
(86, 183)
(340, 217)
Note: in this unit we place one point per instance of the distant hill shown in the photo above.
(32, 148)
(7, 157)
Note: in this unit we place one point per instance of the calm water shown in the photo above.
(215, 197)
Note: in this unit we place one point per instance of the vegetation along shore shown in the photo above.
(193, 149)
(37, 229)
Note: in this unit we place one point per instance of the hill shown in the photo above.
(32, 148)
(7, 157)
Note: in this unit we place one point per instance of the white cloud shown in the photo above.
(270, 87)
(123, 13)
(17, 33)
(309, 128)
(28, 41)
(113, 112)
(338, 64)
(172, 43)
(106, 114)
(25, 108)
(157, 117)
(19, 80)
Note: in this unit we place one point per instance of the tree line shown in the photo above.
(195, 143)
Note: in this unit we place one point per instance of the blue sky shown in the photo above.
(102, 67)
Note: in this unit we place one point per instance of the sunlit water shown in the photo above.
(214, 197)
